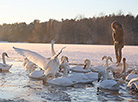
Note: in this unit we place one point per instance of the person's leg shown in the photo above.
(120, 54)
(116, 53)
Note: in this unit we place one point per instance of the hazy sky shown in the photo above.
(12, 11)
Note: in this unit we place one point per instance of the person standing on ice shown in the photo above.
(118, 38)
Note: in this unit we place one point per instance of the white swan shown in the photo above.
(64, 65)
(133, 84)
(30, 66)
(4, 66)
(100, 67)
(133, 74)
(82, 69)
(37, 74)
(49, 66)
(71, 79)
(108, 82)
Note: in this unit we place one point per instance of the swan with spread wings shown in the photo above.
(49, 66)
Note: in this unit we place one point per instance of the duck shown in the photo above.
(4, 66)
(82, 69)
(48, 65)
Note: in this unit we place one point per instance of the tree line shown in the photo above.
(95, 30)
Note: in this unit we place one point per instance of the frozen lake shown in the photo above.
(16, 86)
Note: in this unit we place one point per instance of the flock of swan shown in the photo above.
(55, 72)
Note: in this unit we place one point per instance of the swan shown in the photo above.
(100, 67)
(121, 67)
(60, 81)
(133, 74)
(107, 81)
(80, 77)
(71, 79)
(30, 66)
(64, 65)
(49, 66)
(37, 74)
(133, 84)
(4, 66)
(82, 69)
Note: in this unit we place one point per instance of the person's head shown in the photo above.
(116, 25)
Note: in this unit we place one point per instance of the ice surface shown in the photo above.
(17, 86)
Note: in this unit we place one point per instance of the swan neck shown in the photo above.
(46, 77)
(3, 58)
(106, 65)
(124, 67)
(65, 72)
(52, 48)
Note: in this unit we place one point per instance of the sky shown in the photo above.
(12, 11)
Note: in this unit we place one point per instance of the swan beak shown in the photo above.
(7, 55)
(114, 75)
(84, 66)
(60, 68)
(98, 79)
(99, 76)
(110, 59)
(104, 57)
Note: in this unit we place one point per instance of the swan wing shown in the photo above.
(57, 54)
(33, 56)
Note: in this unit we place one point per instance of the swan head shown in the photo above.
(87, 63)
(49, 76)
(108, 73)
(100, 74)
(107, 57)
(111, 72)
(64, 59)
(5, 54)
(104, 57)
(52, 41)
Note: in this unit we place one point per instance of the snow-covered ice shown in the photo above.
(17, 86)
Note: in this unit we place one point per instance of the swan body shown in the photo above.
(109, 84)
(82, 69)
(37, 74)
(131, 76)
(98, 68)
(69, 80)
(60, 81)
(4, 66)
(133, 84)
(72, 79)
